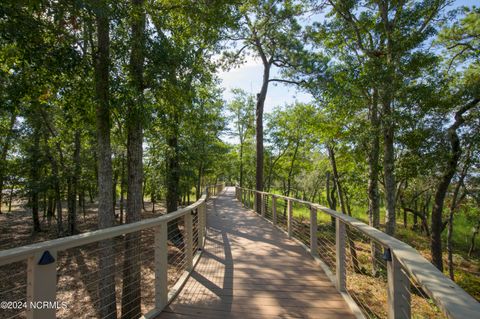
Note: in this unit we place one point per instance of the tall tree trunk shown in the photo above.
(91, 190)
(444, 182)
(34, 178)
(389, 167)
(290, 171)
(415, 217)
(69, 201)
(56, 189)
(153, 197)
(476, 230)
(72, 194)
(331, 199)
(173, 183)
(259, 132)
(44, 205)
(58, 200)
(10, 199)
(241, 163)
(144, 187)
(131, 290)
(106, 285)
(425, 214)
(344, 205)
(199, 182)
(114, 190)
(50, 208)
(272, 166)
(122, 189)
(336, 177)
(387, 95)
(373, 172)
(453, 207)
(3, 158)
(456, 200)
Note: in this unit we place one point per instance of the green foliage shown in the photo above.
(356, 58)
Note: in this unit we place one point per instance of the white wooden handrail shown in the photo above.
(21, 253)
(453, 301)
(64, 243)
(42, 278)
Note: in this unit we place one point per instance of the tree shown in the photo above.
(378, 39)
(464, 92)
(291, 131)
(242, 110)
(106, 216)
(131, 291)
(269, 30)
(7, 135)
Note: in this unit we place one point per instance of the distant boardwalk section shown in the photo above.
(249, 269)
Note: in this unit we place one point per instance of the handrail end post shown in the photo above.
(274, 210)
(41, 284)
(189, 240)
(313, 231)
(398, 295)
(340, 256)
(161, 266)
(289, 218)
(263, 203)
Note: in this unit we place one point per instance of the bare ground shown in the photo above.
(77, 271)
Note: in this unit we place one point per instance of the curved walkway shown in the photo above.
(249, 269)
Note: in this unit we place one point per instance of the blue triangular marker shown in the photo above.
(46, 258)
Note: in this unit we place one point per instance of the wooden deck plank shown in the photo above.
(249, 269)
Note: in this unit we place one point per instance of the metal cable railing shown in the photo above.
(382, 276)
(129, 270)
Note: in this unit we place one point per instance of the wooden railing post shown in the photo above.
(254, 202)
(340, 255)
(289, 218)
(41, 284)
(161, 266)
(201, 210)
(274, 210)
(398, 297)
(313, 231)
(189, 240)
(263, 203)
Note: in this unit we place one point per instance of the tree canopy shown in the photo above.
(117, 110)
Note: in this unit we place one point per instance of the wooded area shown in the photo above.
(113, 111)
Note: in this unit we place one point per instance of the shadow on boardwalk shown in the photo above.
(249, 269)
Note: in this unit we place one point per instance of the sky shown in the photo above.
(249, 77)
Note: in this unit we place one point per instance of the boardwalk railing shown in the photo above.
(214, 190)
(96, 273)
(380, 276)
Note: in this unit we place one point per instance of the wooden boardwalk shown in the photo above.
(249, 269)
